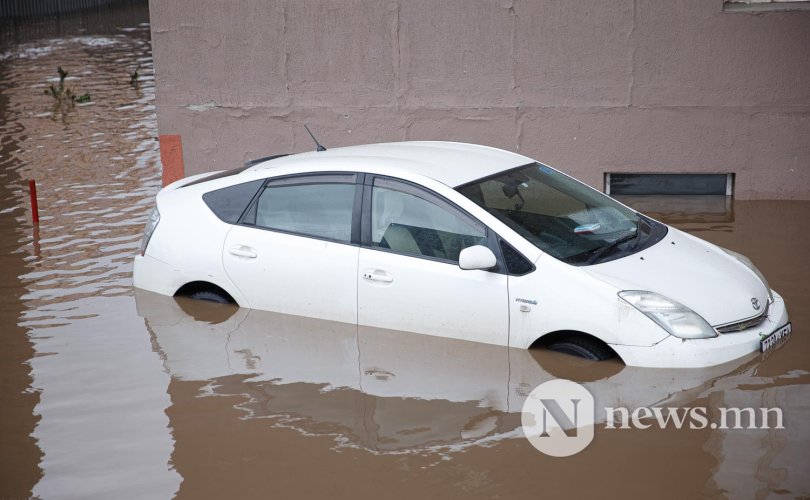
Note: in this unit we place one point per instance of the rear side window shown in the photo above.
(319, 210)
(229, 203)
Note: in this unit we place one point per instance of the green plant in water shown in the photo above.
(64, 94)
(133, 77)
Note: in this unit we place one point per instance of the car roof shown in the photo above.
(451, 163)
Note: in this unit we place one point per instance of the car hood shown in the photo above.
(691, 271)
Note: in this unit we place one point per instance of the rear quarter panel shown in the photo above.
(189, 238)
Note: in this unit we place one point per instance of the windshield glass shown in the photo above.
(562, 216)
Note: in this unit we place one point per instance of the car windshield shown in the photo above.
(562, 216)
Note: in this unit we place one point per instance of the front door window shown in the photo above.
(409, 222)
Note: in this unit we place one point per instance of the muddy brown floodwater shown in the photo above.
(108, 392)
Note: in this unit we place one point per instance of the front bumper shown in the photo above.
(673, 352)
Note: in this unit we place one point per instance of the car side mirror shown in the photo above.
(476, 257)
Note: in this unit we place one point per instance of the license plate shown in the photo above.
(775, 339)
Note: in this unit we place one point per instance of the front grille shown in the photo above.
(746, 324)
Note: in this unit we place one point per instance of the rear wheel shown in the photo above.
(209, 296)
(583, 347)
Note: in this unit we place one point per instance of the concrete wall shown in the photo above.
(587, 86)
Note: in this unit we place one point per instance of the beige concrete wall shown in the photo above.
(588, 86)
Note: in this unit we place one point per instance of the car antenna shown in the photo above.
(318, 144)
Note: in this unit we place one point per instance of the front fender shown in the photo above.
(563, 297)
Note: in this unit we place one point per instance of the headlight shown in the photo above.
(750, 265)
(675, 318)
(151, 224)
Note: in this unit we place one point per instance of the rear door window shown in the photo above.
(318, 207)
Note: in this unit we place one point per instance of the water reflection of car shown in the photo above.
(378, 389)
(458, 241)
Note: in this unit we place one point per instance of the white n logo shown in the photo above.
(569, 426)
(558, 418)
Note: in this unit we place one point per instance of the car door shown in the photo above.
(409, 278)
(295, 249)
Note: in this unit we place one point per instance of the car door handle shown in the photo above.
(378, 275)
(243, 251)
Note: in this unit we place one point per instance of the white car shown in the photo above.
(459, 241)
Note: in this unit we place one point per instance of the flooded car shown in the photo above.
(458, 241)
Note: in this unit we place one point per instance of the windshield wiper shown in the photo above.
(610, 246)
(649, 227)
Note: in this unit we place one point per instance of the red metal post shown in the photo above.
(32, 190)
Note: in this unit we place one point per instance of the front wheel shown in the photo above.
(583, 347)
